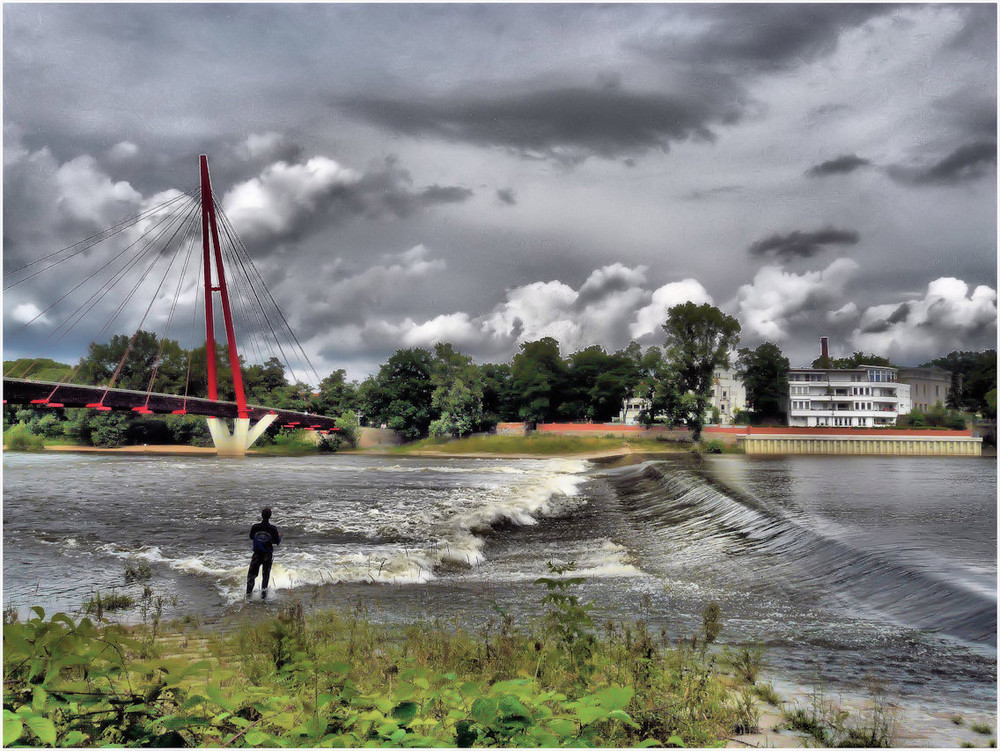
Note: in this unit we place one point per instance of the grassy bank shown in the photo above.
(537, 444)
(338, 679)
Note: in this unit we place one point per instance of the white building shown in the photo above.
(729, 396)
(867, 396)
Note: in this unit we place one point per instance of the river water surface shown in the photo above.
(844, 568)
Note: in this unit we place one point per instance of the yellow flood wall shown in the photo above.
(863, 445)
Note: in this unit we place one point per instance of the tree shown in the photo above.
(499, 402)
(261, 382)
(856, 360)
(698, 340)
(973, 376)
(144, 352)
(458, 393)
(764, 372)
(336, 395)
(538, 379)
(400, 395)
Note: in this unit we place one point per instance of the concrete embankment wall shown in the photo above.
(855, 442)
(373, 437)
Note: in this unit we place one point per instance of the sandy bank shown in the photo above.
(144, 449)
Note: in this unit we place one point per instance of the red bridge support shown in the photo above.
(227, 443)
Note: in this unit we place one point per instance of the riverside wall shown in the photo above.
(858, 442)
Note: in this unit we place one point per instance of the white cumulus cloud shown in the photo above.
(948, 317)
(774, 297)
(649, 318)
(270, 204)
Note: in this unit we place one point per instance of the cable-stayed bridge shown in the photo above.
(158, 249)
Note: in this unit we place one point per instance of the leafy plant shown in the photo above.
(568, 620)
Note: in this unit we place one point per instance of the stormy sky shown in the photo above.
(491, 174)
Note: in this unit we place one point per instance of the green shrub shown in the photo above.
(20, 438)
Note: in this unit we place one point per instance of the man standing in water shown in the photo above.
(265, 536)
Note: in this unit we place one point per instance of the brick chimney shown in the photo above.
(824, 348)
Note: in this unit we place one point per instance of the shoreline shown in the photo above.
(177, 450)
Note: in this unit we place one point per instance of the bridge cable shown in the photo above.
(194, 328)
(184, 225)
(190, 241)
(247, 309)
(100, 237)
(243, 264)
(263, 285)
(129, 247)
(149, 307)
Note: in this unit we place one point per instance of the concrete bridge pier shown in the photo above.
(242, 436)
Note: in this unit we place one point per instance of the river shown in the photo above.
(844, 568)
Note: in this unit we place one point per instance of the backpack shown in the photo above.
(262, 542)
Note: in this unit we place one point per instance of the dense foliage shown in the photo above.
(973, 381)
(764, 372)
(335, 679)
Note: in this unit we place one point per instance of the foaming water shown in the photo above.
(353, 519)
(849, 568)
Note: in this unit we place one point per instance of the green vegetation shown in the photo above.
(980, 727)
(764, 372)
(766, 693)
(699, 339)
(288, 443)
(337, 679)
(20, 438)
(746, 662)
(936, 417)
(534, 444)
(140, 571)
(832, 725)
(99, 604)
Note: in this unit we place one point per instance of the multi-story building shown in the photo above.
(928, 386)
(729, 396)
(867, 396)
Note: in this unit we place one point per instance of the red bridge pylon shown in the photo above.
(243, 435)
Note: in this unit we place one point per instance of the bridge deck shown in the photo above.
(25, 391)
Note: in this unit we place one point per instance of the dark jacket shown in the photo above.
(261, 544)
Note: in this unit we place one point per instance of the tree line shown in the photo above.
(441, 392)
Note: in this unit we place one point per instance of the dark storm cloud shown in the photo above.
(968, 162)
(720, 191)
(761, 38)
(506, 196)
(799, 244)
(900, 314)
(880, 326)
(840, 165)
(564, 124)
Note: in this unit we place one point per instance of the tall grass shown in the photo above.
(533, 444)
